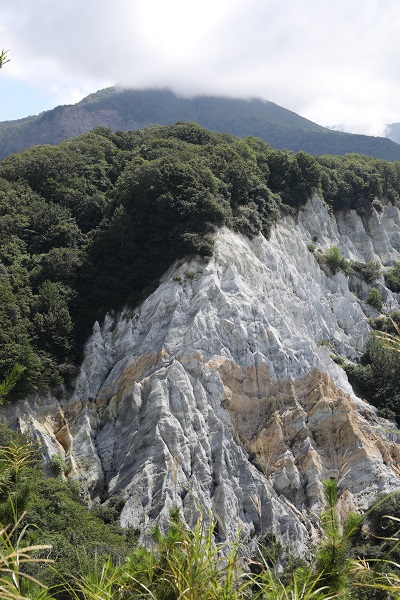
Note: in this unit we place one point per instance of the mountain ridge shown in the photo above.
(133, 109)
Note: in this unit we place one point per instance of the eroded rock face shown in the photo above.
(218, 393)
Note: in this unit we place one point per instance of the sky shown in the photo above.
(335, 63)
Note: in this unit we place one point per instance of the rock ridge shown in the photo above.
(219, 394)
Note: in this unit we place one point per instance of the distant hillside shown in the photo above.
(392, 131)
(133, 109)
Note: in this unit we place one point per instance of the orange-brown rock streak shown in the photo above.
(303, 431)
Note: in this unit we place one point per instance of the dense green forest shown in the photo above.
(91, 224)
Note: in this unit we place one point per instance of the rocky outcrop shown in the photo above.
(218, 393)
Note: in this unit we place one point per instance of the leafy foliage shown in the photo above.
(333, 258)
(3, 58)
(376, 548)
(392, 278)
(332, 559)
(10, 381)
(374, 298)
(36, 509)
(369, 271)
(377, 378)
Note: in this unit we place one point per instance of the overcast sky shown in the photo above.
(334, 62)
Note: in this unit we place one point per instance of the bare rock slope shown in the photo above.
(219, 391)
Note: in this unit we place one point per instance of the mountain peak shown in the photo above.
(127, 109)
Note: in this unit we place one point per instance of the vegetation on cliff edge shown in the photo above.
(90, 225)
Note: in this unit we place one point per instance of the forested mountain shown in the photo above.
(132, 109)
(190, 311)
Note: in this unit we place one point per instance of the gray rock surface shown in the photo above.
(218, 393)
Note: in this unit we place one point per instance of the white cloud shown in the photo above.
(335, 63)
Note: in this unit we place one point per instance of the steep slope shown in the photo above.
(216, 392)
(133, 109)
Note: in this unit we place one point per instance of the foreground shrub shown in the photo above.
(333, 258)
(188, 563)
(374, 299)
(377, 377)
(392, 278)
(369, 271)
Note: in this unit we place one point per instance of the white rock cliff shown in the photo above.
(217, 393)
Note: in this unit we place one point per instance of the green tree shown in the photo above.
(333, 563)
(369, 271)
(15, 483)
(392, 278)
(310, 172)
(374, 299)
(378, 378)
(333, 258)
(52, 321)
(10, 381)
